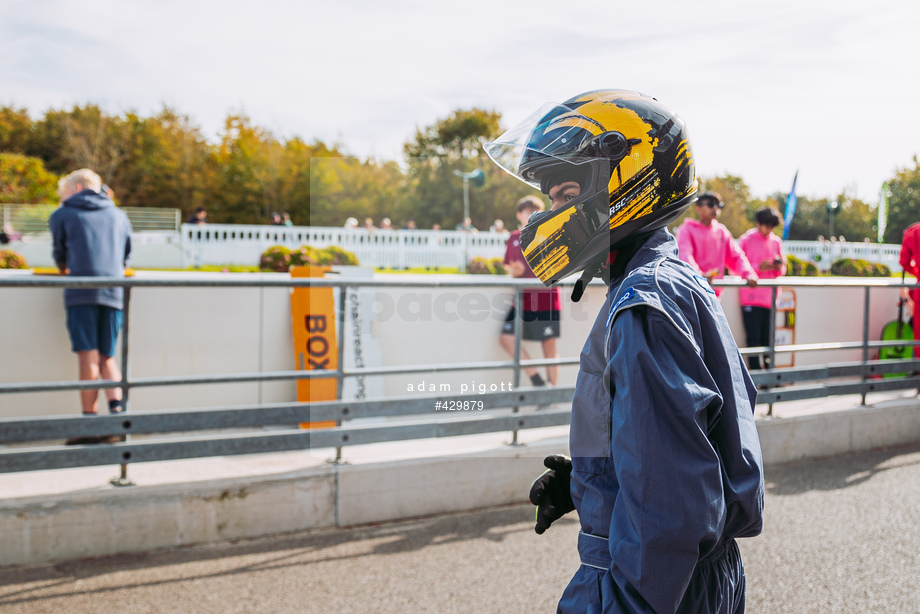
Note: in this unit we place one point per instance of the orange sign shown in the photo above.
(315, 341)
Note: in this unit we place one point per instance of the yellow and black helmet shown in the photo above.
(630, 156)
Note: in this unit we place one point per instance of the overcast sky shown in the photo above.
(829, 87)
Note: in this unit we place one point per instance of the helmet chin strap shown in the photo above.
(600, 267)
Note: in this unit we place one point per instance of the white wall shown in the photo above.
(149, 250)
(197, 331)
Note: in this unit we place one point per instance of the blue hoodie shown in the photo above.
(92, 238)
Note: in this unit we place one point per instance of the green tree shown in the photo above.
(456, 144)
(312, 183)
(165, 163)
(247, 185)
(810, 220)
(903, 202)
(854, 218)
(24, 180)
(345, 186)
(83, 137)
(15, 130)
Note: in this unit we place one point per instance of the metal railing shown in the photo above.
(501, 409)
(31, 219)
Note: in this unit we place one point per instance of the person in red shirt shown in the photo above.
(910, 255)
(540, 314)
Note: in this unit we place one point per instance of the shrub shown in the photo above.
(276, 258)
(857, 267)
(881, 270)
(11, 260)
(305, 256)
(796, 267)
(498, 267)
(484, 266)
(340, 257)
(279, 258)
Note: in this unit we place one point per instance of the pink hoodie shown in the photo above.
(758, 248)
(712, 248)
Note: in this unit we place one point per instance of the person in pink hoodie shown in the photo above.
(708, 245)
(764, 250)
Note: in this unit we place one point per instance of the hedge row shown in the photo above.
(280, 259)
(850, 267)
(797, 267)
(845, 267)
(484, 266)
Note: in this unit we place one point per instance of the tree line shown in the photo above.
(165, 161)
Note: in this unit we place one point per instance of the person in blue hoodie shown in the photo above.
(666, 468)
(91, 238)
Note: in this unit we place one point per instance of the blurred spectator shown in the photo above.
(91, 238)
(8, 234)
(286, 219)
(410, 225)
(436, 227)
(276, 219)
(909, 259)
(369, 224)
(199, 217)
(497, 226)
(466, 226)
(540, 313)
(386, 224)
(709, 247)
(351, 223)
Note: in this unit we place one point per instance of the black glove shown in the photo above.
(550, 492)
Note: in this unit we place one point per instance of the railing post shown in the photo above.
(123, 479)
(518, 323)
(865, 347)
(340, 369)
(772, 351)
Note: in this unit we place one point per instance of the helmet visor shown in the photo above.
(553, 131)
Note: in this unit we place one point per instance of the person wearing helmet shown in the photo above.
(666, 469)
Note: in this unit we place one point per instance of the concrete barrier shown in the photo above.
(298, 491)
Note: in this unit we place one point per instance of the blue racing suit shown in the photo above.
(666, 462)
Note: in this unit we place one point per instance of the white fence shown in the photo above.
(430, 249)
(226, 244)
(823, 254)
(390, 249)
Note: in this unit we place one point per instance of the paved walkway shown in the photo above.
(842, 535)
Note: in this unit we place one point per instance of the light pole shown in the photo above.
(832, 208)
(478, 178)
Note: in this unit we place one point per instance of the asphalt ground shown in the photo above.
(841, 535)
